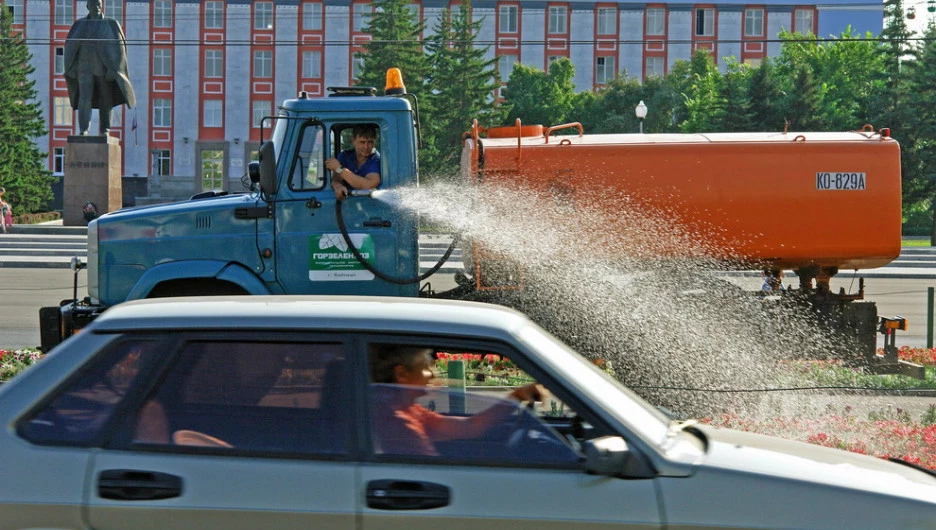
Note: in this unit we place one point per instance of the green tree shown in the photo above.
(705, 104)
(919, 149)
(396, 42)
(738, 115)
(766, 98)
(538, 97)
(462, 84)
(22, 165)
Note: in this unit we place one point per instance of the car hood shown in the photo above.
(768, 455)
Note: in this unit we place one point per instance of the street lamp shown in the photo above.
(641, 112)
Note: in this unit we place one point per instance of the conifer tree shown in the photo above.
(462, 86)
(23, 171)
(396, 42)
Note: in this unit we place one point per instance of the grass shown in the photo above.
(922, 242)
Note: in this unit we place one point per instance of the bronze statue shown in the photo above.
(96, 68)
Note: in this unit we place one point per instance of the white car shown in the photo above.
(264, 412)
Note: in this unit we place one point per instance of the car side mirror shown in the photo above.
(267, 169)
(610, 456)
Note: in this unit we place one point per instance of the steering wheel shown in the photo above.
(533, 441)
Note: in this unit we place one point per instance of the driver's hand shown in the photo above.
(531, 392)
(341, 191)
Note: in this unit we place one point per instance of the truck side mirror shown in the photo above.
(267, 169)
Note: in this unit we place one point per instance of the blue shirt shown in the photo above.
(348, 159)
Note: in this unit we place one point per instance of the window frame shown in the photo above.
(163, 58)
(704, 17)
(512, 14)
(655, 21)
(214, 64)
(602, 76)
(214, 14)
(215, 113)
(263, 64)
(800, 12)
(63, 114)
(18, 8)
(162, 112)
(264, 16)
(162, 13)
(606, 21)
(311, 64)
(312, 21)
(754, 19)
(558, 20)
(64, 12)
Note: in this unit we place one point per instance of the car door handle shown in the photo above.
(406, 495)
(136, 485)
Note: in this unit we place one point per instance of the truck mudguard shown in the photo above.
(234, 273)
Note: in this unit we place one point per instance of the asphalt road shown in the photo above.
(24, 291)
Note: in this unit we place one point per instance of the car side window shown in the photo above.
(281, 398)
(466, 408)
(309, 166)
(77, 414)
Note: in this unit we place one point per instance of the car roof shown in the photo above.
(376, 313)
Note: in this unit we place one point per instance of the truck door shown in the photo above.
(312, 255)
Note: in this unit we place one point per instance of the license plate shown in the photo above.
(840, 180)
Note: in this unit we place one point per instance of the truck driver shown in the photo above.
(357, 167)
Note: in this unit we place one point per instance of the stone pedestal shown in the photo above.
(92, 174)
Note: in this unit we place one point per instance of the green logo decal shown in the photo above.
(330, 259)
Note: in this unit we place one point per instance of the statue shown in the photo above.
(96, 68)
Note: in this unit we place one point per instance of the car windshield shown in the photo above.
(643, 419)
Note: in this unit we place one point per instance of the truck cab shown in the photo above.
(280, 237)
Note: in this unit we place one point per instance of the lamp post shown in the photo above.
(641, 112)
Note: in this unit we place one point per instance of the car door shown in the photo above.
(525, 471)
(312, 254)
(236, 432)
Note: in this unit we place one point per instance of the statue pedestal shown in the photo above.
(92, 174)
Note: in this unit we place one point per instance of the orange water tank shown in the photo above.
(790, 200)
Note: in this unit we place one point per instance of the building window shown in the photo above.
(162, 112)
(63, 111)
(505, 64)
(117, 117)
(507, 19)
(361, 16)
(64, 12)
(162, 14)
(654, 66)
(162, 62)
(357, 66)
(557, 19)
(15, 7)
(59, 60)
(656, 21)
(212, 114)
(803, 21)
(604, 70)
(552, 59)
(259, 110)
(212, 169)
(114, 9)
(753, 22)
(58, 160)
(263, 15)
(214, 63)
(607, 21)
(705, 22)
(162, 161)
(312, 16)
(312, 64)
(263, 63)
(214, 15)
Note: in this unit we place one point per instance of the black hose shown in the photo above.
(382, 276)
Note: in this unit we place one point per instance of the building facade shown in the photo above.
(206, 72)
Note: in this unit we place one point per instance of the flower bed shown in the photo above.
(13, 362)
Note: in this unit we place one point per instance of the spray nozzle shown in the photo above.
(361, 193)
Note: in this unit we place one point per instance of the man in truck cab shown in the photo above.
(357, 167)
